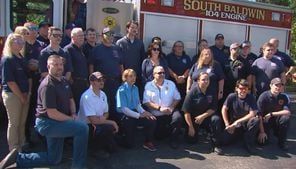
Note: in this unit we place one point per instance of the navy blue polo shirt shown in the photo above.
(215, 74)
(147, 69)
(14, 69)
(46, 52)
(53, 94)
(268, 103)
(32, 51)
(86, 49)
(264, 70)
(42, 39)
(197, 103)
(221, 55)
(238, 108)
(133, 53)
(286, 59)
(178, 64)
(107, 60)
(78, 61)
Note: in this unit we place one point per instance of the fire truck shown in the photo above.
(172, 20)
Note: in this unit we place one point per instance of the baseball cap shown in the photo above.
(70, 25)
(218, 36)
(95, 76)
(276, 81)
(246, 44)
(234, 45)
(44, 23)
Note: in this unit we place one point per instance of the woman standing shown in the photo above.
(154, 59)
(15, 91)
(207, 64)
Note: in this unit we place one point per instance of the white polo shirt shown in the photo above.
(163, 95)
(92, 105)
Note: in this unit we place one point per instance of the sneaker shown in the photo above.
(218, 151)
(149, 146)
(9, 159)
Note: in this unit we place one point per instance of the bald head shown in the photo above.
(275, 42)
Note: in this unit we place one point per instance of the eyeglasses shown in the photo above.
(19, 41)
(33, 28)
(57, 35)
(160, 73)
(156, 49)
(26, 33)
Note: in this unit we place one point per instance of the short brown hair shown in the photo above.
(242, 82)
(267, 44)
(51, 29)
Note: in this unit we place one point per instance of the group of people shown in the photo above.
(100, 93)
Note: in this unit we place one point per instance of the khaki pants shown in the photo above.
(17, 115)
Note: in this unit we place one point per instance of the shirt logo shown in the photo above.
(210, 99)
(184, 61)
(281, 102)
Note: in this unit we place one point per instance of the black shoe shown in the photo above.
(218, 151)
(250, 149)
(9, 159)
(283, 146)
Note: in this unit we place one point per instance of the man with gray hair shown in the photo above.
(79, 75)
(161, 97)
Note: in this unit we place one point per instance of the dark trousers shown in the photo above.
(279, 125)
(211, 124)
(30, 122)
(128, 126)
(168, 125)
(247, 130)
(101, 137)
(110, 88)
(78, 87)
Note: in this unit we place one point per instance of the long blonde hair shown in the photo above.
(7, 51)
(21, 30)
(201, 59)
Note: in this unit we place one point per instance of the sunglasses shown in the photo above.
(160, 73)
(57, 35)
(243, 88)
(155, 49)
(109, 34)
(33, 28)
(279, 84)
(26, 33)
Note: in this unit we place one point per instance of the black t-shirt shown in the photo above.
(54, 94)
(267, 103)
(197, 102)
(238, 108)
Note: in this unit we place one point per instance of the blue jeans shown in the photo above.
(55, 132)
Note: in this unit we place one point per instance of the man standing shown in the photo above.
(274, 114)
(238, 112)
(220, 51)
(286, 59)
(94, 112)
(132, 49)
(55, 36)
(161, 96)
(246, 53)
(107, 59)
(55, 120)
(79, 75)
(199, 109)
(90, 43)
(266, 68)
(43, 33)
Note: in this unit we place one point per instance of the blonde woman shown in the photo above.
(207, 64)
(130, 111)
(15, 91)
